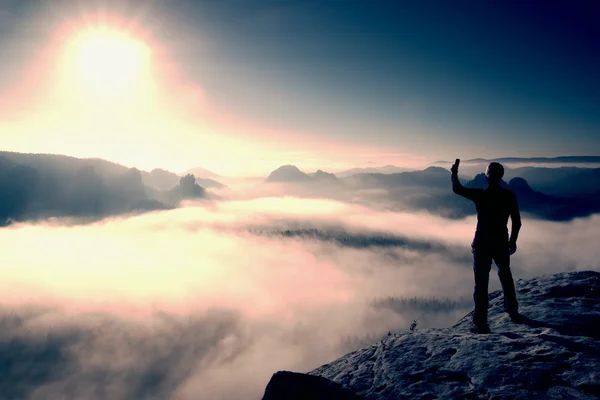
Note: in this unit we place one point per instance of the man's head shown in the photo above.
(494, 173)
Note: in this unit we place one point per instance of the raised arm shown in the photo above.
(457, 187)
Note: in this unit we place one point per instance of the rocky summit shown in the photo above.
(553, 352)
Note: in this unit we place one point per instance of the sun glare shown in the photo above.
(106, 61)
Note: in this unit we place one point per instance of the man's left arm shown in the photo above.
(515, 217)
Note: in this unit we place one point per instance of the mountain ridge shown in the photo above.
(537, 160)
(40, 186)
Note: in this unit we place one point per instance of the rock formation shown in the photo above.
(553, 353)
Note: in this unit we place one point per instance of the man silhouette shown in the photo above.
(491, 242)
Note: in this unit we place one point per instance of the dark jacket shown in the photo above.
(494, 205)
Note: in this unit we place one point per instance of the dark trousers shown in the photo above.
(482, 263)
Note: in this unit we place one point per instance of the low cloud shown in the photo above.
(210, 299)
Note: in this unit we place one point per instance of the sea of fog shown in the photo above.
(209, 300)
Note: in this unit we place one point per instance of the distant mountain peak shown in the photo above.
(288, 167)
(287, 173)
(480, 182)
(436, 169)
(519, 184)
(322, 175)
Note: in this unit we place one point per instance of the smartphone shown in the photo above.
(457, 162)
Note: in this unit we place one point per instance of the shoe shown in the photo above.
(480, 328)
(515, 317)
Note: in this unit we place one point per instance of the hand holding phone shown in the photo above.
(454, 168)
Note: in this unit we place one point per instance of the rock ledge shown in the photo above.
(554, 353)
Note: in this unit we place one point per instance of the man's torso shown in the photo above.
(493, 210)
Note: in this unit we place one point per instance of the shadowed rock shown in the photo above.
(285, 385)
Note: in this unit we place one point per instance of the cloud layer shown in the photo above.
(212, 298)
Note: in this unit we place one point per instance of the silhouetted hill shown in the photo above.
(323, 176)
(36, 186)
(288, 173)
(186, 190)
(538, 203)
(552, 353)
(519, 185)
(63, 165)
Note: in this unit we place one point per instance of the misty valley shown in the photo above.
(121, 283)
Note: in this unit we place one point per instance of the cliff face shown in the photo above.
(554, 353)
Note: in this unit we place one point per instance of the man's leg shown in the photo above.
(508, 285)
(482, 263)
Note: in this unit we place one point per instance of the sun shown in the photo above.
(105, 60)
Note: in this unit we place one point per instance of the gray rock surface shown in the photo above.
(554, 353)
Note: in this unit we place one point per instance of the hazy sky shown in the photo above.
(245, 86)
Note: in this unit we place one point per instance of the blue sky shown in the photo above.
(483, 71)
(437, 79)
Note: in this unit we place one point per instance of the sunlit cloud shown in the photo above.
(198, 256)
(200, 290)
